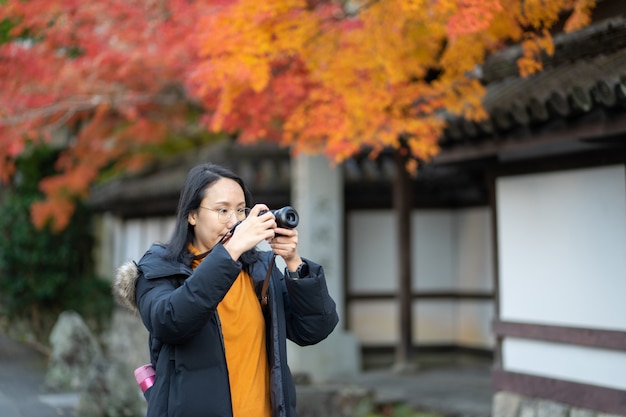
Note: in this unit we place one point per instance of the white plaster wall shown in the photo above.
(473, 324)
(434, 322)
(581, 364)
(135, 236)
(135, 243)
(434, 250)
(374, 322)
(451, 252)
(371, 251)
(474, 249)
(105, 248)
(475, 272)
(119, 245)
(562, 243)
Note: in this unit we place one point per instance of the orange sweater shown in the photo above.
(243, 327)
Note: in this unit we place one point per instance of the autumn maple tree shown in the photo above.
(112, 79)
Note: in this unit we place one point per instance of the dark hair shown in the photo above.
(199, 179)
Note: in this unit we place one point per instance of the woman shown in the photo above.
(216, 348)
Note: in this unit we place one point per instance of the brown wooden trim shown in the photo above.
(166, 205)
(624, 159)
(402, 203)
(570, 137)
(435, 348)
(491, 186)
(346, 282)
(598, 338)
(488, 296)
(557, 163)
(608, 400)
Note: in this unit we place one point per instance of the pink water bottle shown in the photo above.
(145, 375)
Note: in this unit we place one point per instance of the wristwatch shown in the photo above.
(301, 272)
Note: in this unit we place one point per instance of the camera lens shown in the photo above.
(286, 217)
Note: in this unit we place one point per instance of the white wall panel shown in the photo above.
(134, 244)
(601, 367)
(473, 326)
(562, 243)
(474, 260)
(434, 250)
(153, 231)
(133, 237)
(167, 228)
(119, 244)
(374, 322)
(106, 228)
(434, 322)
(372, 252)
(451, 252)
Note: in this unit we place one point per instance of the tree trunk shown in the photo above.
(402, 208)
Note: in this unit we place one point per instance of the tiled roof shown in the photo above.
(265, 168)
(586, 74)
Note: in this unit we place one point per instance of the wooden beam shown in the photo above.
(591, 397)
(597, 338)
(575, 137)
(430, 295)
(402, 207)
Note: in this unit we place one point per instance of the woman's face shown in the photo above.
(208, 229)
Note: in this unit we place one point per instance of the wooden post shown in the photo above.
(402, 207)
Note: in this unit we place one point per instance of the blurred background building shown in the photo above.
(518, 230)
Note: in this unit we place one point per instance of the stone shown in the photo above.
(581, 412)
(73, 351)
(110, 390)
(127, 340)
(528, 408)
(506, 404)
(334, 401)
(551, 409)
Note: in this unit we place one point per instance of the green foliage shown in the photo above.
(401, 410)
(43, 273)
(5, 27)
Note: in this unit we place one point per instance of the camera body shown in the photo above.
(286, 217)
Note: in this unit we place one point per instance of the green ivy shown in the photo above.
(43, 273)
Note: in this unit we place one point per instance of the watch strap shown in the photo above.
(300, 272)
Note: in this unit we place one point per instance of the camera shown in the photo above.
(286, 217)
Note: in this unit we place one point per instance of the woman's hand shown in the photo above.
(251, 231)
(285, 245)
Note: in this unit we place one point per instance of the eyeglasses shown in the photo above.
(224, 214)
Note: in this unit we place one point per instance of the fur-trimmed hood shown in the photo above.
(153, 264)
(124, 285)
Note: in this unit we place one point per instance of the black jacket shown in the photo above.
(178, 306)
